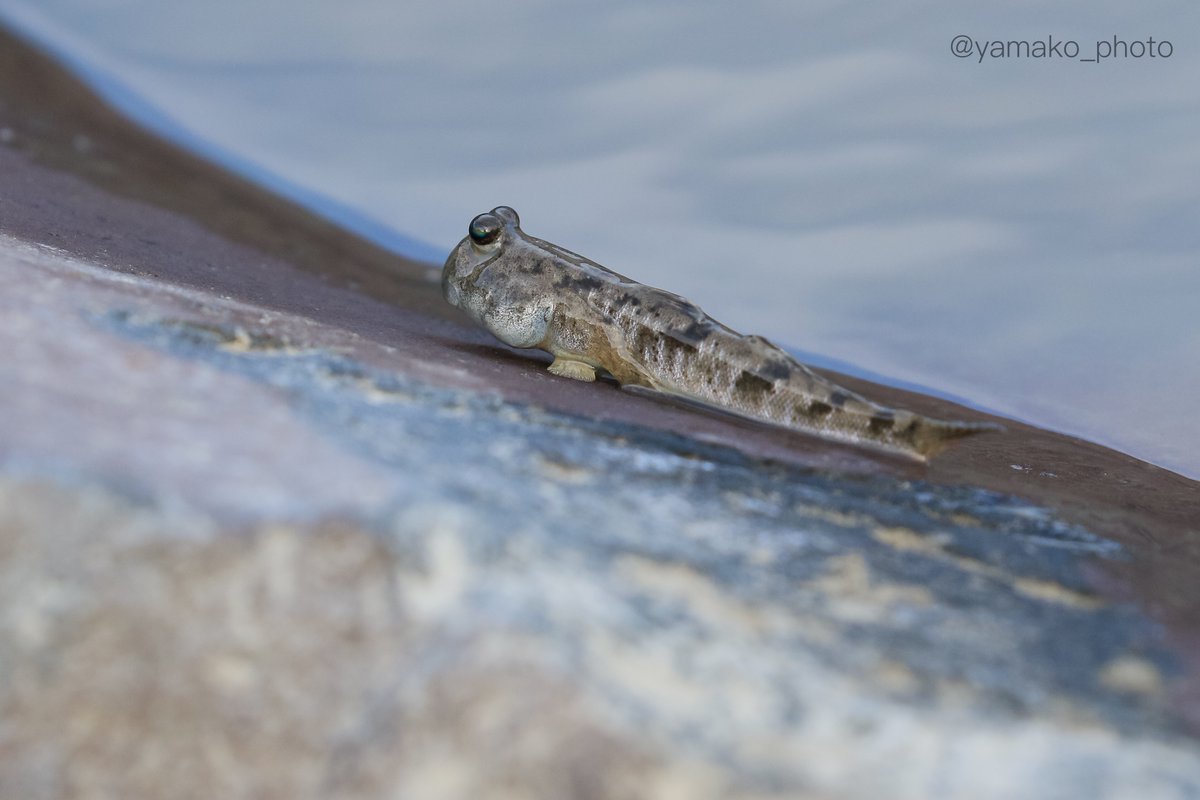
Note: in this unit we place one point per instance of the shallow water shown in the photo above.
(1021, 233)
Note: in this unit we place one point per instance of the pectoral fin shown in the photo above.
(569, 368)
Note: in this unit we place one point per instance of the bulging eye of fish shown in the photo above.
(507, 214)
(485, 228)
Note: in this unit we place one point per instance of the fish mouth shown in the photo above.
(462, 266)
(449, 271)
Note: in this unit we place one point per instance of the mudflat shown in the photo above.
(182, 339)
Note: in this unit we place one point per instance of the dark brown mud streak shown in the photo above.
(59, 123)
(78, 176)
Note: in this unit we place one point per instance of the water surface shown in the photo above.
(1020, 232)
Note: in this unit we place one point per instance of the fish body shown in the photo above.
(534, 294)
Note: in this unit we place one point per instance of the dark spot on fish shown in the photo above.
(633, 301)
(909, 432)
(750, 384)
(673, 347)
(536, 268)
(881, 422)
(775, 370)
(580, 284)
(645, 341)
(696, 332)
(838, 398)
(819, 409)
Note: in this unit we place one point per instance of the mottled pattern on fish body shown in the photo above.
(531, 293)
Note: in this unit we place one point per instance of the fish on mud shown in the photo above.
(533, 294)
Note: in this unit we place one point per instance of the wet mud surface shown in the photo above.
(213, 398)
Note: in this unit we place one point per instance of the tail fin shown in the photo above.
(932, 436)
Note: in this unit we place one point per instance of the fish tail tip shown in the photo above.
(936, 435)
